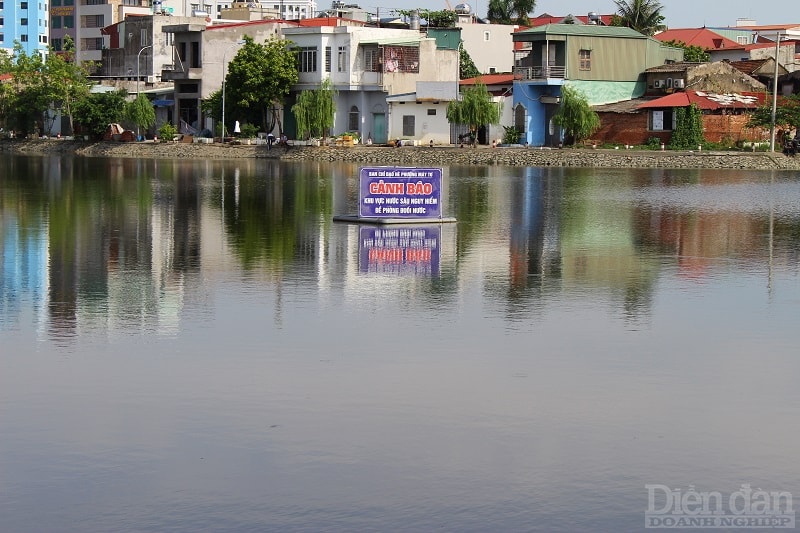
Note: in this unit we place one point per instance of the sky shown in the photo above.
(678, 13)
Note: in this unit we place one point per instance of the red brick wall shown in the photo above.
(631, 128)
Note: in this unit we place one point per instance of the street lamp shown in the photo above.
(138, 56)
(774, 95)
(223, 87)
(137, 66)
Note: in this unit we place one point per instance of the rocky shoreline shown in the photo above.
(413, 155)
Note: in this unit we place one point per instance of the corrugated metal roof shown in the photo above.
(710, 101)
(581, 30)
(396, 41)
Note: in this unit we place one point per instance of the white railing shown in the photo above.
(540, 73)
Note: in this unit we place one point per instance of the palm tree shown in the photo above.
(510, 11)
(643, 16)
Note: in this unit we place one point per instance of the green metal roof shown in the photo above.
(583, 30)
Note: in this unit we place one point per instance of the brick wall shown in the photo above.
(631, 128)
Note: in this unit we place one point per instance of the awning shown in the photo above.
(163, 103)
(393, 41)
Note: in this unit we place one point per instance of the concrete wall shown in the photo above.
(495, 50)
(427, 127)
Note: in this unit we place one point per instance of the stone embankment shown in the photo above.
(415, 156)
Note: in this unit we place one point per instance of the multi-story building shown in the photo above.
(586, 57)
(24, 21)
(93, 16)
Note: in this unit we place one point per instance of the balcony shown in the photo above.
(540, 73)
(180, 73)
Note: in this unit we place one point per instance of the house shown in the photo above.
(199, 57)
(718, 77)
(501, 87)
(724, 116)
(377, 74)
(586, 57)
(718, 47)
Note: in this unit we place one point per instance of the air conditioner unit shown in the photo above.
(151, 79)
(658, 84)
(677, 83)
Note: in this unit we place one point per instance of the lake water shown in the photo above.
(196, 346)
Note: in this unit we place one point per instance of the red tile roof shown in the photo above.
(491, 79)
(702, 37)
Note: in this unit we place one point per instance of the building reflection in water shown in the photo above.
(115, 245)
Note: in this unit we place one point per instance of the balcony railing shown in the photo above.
(540, 73)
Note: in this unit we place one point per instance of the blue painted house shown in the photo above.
(605, 63)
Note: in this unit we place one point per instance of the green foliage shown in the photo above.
(140, 112)
(212, 106)
(643, 16)
(258, 79)
(445, 18)
(653, 143)
(510, 11)
(314, 111)
(68, 81)
(576, 116)
(95, 112)
(787, 114)
(249, 131)
(691, 53)
(511, 135)
(688, 134)
(167, 131)
(476, 108)
(466, 66)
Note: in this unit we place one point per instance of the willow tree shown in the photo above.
(314, 111)
(576, 116)
(475, 108)
(140, 112)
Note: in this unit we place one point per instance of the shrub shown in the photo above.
(249, 131)
(653, 143)
(167, 131)
(511, 135)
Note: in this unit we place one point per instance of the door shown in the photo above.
(379, 128)
(552, 132)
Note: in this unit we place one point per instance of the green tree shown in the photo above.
(643, 16)
(787, 114)
(32, 94)
(68, 82)
(475, 108)
(576, 117)
(466, 66)
(259, 78)
(314, 111)
(510, 11)
(95, 112)
(688, 132)
(140, 112)
(692, 53)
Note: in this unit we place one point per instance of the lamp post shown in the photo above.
(138, 56)
(774, 95)
(224, 53)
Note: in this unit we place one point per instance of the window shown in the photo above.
(2, 37)
(372, 62)
(408, 125)
(23, 22)
(492, 70)
(486, 35)
(354, 119)
(189, 88)
(43, 39)
(431, 112)
(662, 120)
(23, 5)
(56, 43)
(143, 35)
(69, 21)
(401, 59)
(741, 39)
(328, 58)
(169, 38)
(341, 59)
(308, 59)
(69, 2)
(95, 21)
(1, 21)
(23, 38)
(585, 60)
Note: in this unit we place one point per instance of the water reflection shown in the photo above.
(196, 345)
(124, 243)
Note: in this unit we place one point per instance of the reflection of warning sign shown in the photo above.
(391, 192)
(406, 250)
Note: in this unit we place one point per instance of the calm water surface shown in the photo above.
(196, 346)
